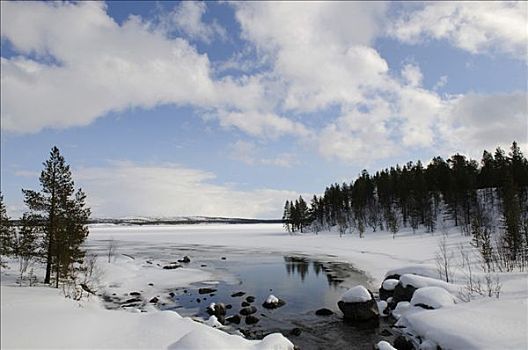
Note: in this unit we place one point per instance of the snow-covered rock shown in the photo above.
(421, 270)
(213, 322)
(273, 302)
(401, 309)
(389, 284)
(356, 294)
(432, 297)
(382, 306)
(384, 345)
(272, 299)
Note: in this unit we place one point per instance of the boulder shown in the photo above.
(237, 294)
(402, 343)
(216, 309)
(250, 299)
(358, 306)
(245, 303)
(206, 290)
(154, 300)
(185, 260)
(233, 319)
(250, 319)
(324, 312)
(171, 266)
(402, 293)
(248, 310)
(272, 302)
(387, 288)
(134, 294)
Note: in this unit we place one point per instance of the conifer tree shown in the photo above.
(6, 233)
(62, 215)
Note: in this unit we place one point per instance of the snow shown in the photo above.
(382, 305)
(485, 323)
(213, 322)
(390, 284)
(383, 345)
(272, 299)
(434, 297)
(488, 323)
(356, 294)
(420, 282)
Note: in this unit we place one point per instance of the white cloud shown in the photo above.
(478, 122)
(103, 66)
(187, 18)
(316, 48)
(477, 27)
(412, 75)
(248, 153)
(263, 124)
(130, 189)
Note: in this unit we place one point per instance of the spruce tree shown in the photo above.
(6, 233)
(62, 215)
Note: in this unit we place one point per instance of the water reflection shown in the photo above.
(335, 273)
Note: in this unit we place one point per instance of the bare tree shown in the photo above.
(112, 248)
(443, 259)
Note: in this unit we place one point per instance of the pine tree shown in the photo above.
(6, 233)
(286, 216)
(62, 214)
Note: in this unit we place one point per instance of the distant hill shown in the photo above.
(180, 220)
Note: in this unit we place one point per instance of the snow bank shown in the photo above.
(219, 340)
(488, 323)
(54, 322)
(356, 294)
(420, 282)
(421, 270)
(389, 284)
(434, 297)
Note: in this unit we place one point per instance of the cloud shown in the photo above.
(187, 18)
(477, 27)
(248, 153)
(131, 189)
(98, 66)
(477, 122)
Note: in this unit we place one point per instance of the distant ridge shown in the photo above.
(180, 220)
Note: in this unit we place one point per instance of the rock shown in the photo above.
(206, 290)
(248, 310)
(245, 303)
(171, 266)
(387, 288)
(250, 299)
(237, 294)
(216, 309)
(296, 332)
(151, 284)
(324, 312)
(234, 319)
(185, 260)
(272, 302)
(134, 294)
(198, 300)
(385, 333)
(250, 319)
(393, 277)
(402, 293)
(229, 306)
(223, 258)
(133, 300)
(154, 300)
(401, 343)
(359, 311)
(203, 265)
(149, 262)
(171, 294)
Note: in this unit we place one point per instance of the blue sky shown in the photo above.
(229, 109)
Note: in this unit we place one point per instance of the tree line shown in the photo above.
(53, 228)
(459, 189)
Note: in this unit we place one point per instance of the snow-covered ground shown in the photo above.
(55, 322)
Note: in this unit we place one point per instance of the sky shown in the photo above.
(230, 108)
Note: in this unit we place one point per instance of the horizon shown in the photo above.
(208, 109)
